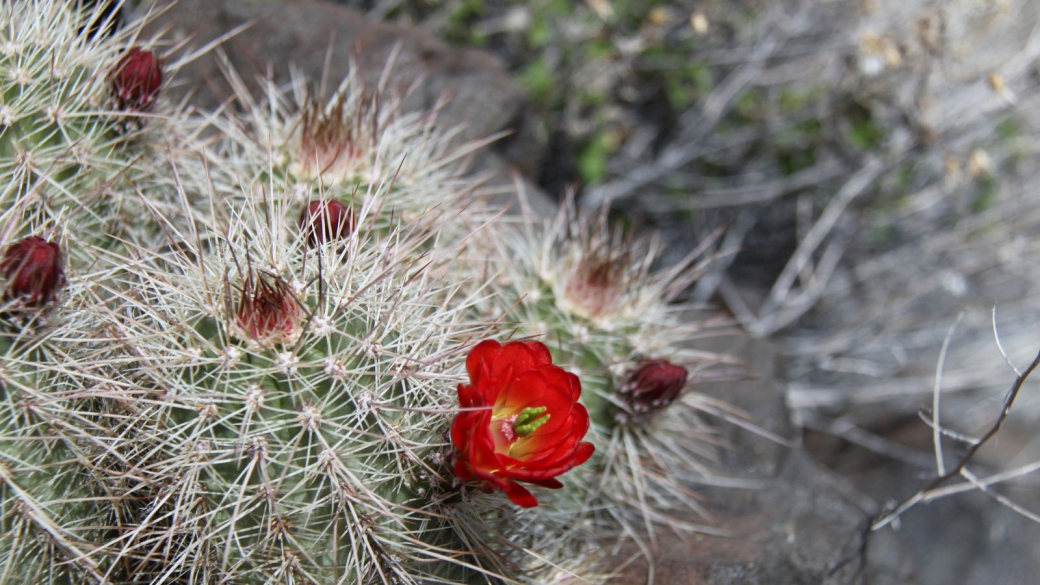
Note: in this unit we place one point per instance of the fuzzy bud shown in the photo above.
(653, 385)
(34, 271)
(326, 220)
(594, 288)
(136, 79)
(328, 141)
(268, 313)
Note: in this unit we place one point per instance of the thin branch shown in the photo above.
(1000, 346)
(855, 186)
(957, 470)
(940, 464)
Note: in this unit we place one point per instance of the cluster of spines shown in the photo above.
(307, 386)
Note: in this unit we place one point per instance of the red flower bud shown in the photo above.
(34, 271)
(653, 385)
(268, 313)
(521, 420)
(326, 220)
(135, 80)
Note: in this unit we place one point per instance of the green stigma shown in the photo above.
(527, 422)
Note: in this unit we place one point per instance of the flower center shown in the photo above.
(510, 431)
(529, 420)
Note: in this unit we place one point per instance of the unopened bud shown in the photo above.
(268, 313)
(326, 220)
(136, 79)
(34, 271)
(328, 141)
(653, 385)
(595, 287)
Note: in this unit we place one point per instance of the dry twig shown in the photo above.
(960, 469)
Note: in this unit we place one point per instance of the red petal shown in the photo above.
(545, 450)
(519, 495)
(470, 435)
(480, 358)
(517, 357)
(543, 469)
(527, 389)
(539, 352)
(580, 418)
(552, 464)
(536, 475)
(575, 386)
(462, 470)
(460, 428)
(470, 396)
(582, 453)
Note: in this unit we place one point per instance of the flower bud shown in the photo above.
(34, 271)
(594, 288)
(136, 79)
(326, 220)
(653, 385)
(328, 141)
(268, 313)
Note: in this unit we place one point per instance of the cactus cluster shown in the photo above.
(592, 293)
(253, 346)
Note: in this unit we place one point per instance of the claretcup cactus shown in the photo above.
(590, 291)
(266, 365)
(61, 150)
(355, 147)
(277, 406)
(297, 416)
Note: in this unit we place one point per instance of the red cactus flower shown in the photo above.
(136, 79)
(522, 420)
(326, 220)
(268, 313)
(34, 271)
(653, 385)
